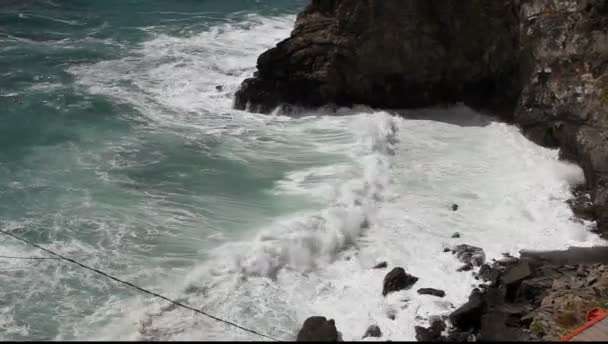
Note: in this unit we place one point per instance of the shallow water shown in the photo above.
(117, 149)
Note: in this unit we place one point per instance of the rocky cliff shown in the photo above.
(542, 64)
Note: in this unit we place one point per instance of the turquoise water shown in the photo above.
(91, 176)
(118, 149)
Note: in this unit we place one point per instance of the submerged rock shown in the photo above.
(454, 207)
(456, 235)
(318, 329)
(397, 279)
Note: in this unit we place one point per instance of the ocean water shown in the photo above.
(118, 150)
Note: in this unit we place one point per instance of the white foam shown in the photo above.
(382, 188)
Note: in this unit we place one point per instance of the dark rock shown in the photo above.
(468, 316)
(352, 52)
(459, 336)
(487, 274)
(432, 333)
(582, 206)
(219, 88)
(517, 273)
(454, 207)
(396, 280)
(372, 331)
(381, 265)
(494, 328)
(466, 267)
(563, 103)
(431, 291)
(470, 254)
(456, 235)
(446, 249)
(318, 329)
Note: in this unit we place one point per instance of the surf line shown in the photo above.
(140, 289)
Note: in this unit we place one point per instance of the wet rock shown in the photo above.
(582, 206)
(318, 329)
(432, 333)
(468, 316)
(446, 249)
(219, 88)
(488, 274)
(470, 254)
(459, 336)
(397, 279)
(372, 331)
(456, 235)
(454, 207)
(381, 265)
(431, 291)
(465, 267)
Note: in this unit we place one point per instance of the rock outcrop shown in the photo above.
(390, 53)
(318, 329)
(563, 64)
(538, 297)
(542, 64)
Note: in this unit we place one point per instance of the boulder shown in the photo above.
(318, 329)
(470, 254)
(397, 279)
(372, 331)
(456, 235)
(381, 265)
(431, 291)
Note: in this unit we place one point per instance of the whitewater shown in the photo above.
(263, 220)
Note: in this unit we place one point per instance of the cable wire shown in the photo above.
(137, 287)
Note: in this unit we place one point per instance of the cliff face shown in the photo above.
(541, 63)
(564, 91)
(390, 53)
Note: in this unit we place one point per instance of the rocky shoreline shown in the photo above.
(539, 296)
(539, 64)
